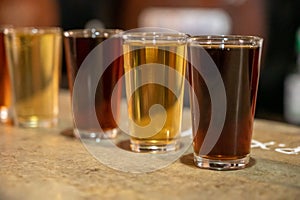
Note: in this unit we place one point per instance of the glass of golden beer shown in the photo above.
(34, 59)
(236, 61)
(78, 44)
(5, 87)
(155, 65)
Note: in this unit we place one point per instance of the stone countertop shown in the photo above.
(45, 164)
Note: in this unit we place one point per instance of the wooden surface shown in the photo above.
(45, 164)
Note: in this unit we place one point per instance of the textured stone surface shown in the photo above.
(44, 164)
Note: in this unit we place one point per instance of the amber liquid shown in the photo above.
(5, 88)
(144, 97)
(34, 62)
(239, 68)
(77, 48)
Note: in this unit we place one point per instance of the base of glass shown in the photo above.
(36, 123)
(94, 134)
(148, 147)
(5, 117)
(221, 165)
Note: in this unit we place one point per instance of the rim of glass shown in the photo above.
(86, 33)
(155, 37)
(248, 40)
(5, 26)
(34, 30)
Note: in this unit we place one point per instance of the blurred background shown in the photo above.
(277, 21)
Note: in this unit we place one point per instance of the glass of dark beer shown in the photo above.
(5, 86)
(78, 44)
(234, 61)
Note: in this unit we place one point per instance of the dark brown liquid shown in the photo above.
(76, 51)
(5, 89)
(239, 69)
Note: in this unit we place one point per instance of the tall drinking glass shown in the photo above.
(5, 86)
(78, 44)
(237, 62)
(155, 66)
(34, 59)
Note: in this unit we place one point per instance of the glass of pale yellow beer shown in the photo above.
(155, 65)
(34, 59)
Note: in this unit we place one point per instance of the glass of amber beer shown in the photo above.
(78, 44)
(237, 60)
(34, 59)
(5, 87)
(155, 66)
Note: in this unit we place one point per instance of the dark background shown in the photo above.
(275, 20)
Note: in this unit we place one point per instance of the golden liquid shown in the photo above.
(144, 97)
(34, 62)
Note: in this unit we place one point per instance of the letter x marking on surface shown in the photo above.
(255, 143)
